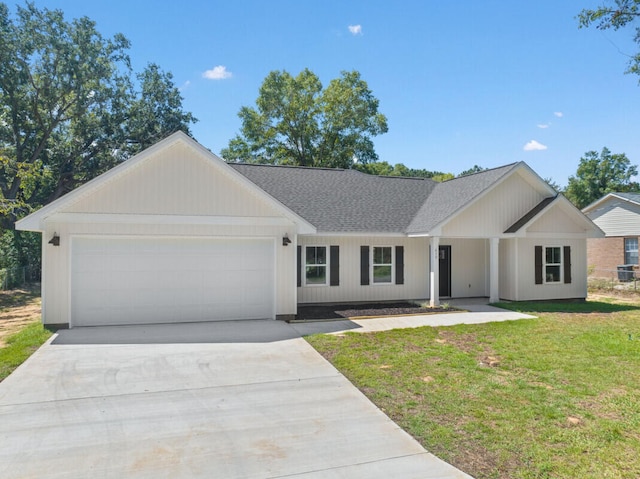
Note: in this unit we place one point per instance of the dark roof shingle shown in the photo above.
(338, 200)
(450, 196)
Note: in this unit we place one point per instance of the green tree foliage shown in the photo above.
(383, 168)
(616, 15)
(553, 184)
(69, 109)
(599, 174)
(472, 170)
(297, 122)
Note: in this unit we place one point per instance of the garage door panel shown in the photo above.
(149, 280)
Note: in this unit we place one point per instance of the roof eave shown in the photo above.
(605, 198)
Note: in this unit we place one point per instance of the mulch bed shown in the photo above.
(342, 311)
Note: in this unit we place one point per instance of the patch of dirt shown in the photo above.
(18, 308)
(345, 311)
(628, 297)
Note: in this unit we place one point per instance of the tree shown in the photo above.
(615, 16)
(599, 174)
(68, 109)
(472, 170)
(297, 122)
(553, 184)
(156, 111)
(68, 112)
(383, 168)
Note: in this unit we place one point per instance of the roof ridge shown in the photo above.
(484, 171)
(290, 166)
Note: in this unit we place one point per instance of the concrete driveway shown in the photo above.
(212, 400)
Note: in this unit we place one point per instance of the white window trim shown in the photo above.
(393, 265)
(624, 246)
(326, 266)
(545, 264)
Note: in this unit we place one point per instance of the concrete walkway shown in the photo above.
(476, 311)
(244, 399)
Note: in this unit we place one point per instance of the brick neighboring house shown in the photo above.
(618, 215)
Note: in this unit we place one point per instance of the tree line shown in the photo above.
(71, 107)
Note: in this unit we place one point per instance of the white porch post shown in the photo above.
(434, 272)
(494, 270)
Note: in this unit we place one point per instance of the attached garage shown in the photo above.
(141, 280)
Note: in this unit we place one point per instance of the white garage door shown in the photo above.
(167, 280)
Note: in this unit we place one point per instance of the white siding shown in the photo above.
(416, 271)
(617, 218)
(176, 181)
(469, 260)
(496, 211)
(528, 290)
(469, 267)
(508, 269)
(555, 221)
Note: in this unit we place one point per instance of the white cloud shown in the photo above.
(355, 29)
(185, 85)
(533, 145)
(543, 125)
(217, 73)
(558, 114)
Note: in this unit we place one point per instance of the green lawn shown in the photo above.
(20, 346)
(554, 397)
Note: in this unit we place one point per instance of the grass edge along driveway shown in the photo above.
(20, 345)
(553, 397)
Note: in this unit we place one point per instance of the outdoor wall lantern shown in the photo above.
(286, 240)
(55, 240)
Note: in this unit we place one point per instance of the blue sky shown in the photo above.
(461, 83)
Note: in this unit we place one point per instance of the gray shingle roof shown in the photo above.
(337, 200)
(635, 197)
(450, 196)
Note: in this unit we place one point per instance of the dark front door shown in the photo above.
(444, 265)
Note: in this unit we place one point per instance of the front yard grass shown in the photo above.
(553, 397)
(19, 346)
(21, 332)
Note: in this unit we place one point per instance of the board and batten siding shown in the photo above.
(509, 267)
(151, 189)
(496, 211)
(555, 220)
(416, 271)
(617, 218)
(175, 181)
(518, 284)
(469, 267)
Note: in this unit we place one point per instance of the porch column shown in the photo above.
(494, 270)
(434, 272)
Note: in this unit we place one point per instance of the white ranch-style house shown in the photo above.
(175, 234)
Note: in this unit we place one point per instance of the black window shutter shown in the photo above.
(538, 264)
(364, 265)
(334, 266)
(566, 259)
(399, 264)
(299, 266)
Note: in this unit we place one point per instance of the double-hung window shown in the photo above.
(315, 269)
(553, 264)
(382, 264)
(631, 251)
